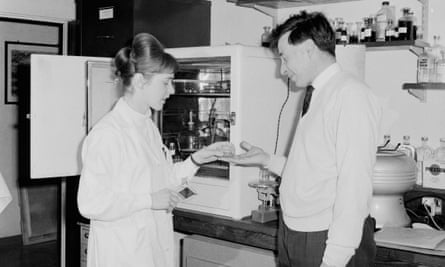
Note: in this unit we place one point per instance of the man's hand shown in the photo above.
(254, 156)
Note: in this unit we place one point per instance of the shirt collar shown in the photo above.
(323, 78)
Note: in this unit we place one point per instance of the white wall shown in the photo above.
(386, 71)
(58, 11)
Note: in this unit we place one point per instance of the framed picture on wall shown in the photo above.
(18, 56)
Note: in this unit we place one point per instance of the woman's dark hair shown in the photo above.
(306, 26)
(146, 55)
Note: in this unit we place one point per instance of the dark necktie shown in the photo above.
(307, 99)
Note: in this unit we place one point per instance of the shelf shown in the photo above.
(203, 94)
(418, 90)
(415, 46)
(284, 3)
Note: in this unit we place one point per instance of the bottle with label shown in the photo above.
(407, 148)
(265, 37)
(382, 17)
(405, 26)
(425, 66)
(424, 153)
(390, 34)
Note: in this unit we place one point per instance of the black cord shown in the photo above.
(279, 116)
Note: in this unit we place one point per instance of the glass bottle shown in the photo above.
(425, 66)
(440, 68)
(405, 26)
(390, 34)
(407, 148)
(174, 152)
(353, 33)
(382, 17)
(386, 142)
(265, 37)
(424, 153)
(439, 153)
(339, 31)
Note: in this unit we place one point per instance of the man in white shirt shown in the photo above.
(326, 184)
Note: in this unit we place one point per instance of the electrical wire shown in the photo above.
(432, 218)
(279, 116)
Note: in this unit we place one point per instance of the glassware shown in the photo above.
(265, 37)
(407, 148)
(439, 153)
(382, 17)
(425, 66)
(424, 153)
(405, 28)
(353, 33)
(440, 68)
(390, 34)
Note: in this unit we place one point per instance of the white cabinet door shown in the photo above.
(58, 119)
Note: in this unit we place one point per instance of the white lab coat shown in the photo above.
(124, 161)
(5, 195)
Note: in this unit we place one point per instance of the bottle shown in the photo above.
(174, 152)
(436, 50)
(425, 66)
(189, 137)
(439, 153)
(424, 153)
(390, 34)
(353, 33)
(382, 17)
(369, 32)
(339, 31)
(386, 143)
(407, 148)
(405, 26)
(440, 68)
(265, 37)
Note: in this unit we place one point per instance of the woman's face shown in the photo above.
(157, 89)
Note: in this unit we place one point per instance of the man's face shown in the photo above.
(295, 60)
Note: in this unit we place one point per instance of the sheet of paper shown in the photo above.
(420, 238)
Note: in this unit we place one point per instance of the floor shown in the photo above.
(15, 254)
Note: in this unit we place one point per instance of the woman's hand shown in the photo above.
(165, 199)
(254, 156)
(213, 152)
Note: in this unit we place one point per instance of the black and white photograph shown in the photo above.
(237, 133)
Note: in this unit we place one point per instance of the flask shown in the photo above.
(407, 148)
(265, 37)
(384, 14)
(439, 153)
(405, 26)
(424, 153)
(425, 66)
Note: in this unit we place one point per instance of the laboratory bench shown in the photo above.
(263, 236)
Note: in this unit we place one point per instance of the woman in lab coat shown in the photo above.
(128, 184)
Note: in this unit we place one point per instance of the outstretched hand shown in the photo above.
(213, 152)
(254, 156)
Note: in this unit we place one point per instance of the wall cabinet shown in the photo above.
(104, 26)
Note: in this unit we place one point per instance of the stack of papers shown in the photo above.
(428, 241)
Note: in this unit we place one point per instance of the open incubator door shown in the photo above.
(68, 94)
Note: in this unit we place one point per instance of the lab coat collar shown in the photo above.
(131, 115)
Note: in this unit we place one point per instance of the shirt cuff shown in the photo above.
(337, 256)
(276, 164)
